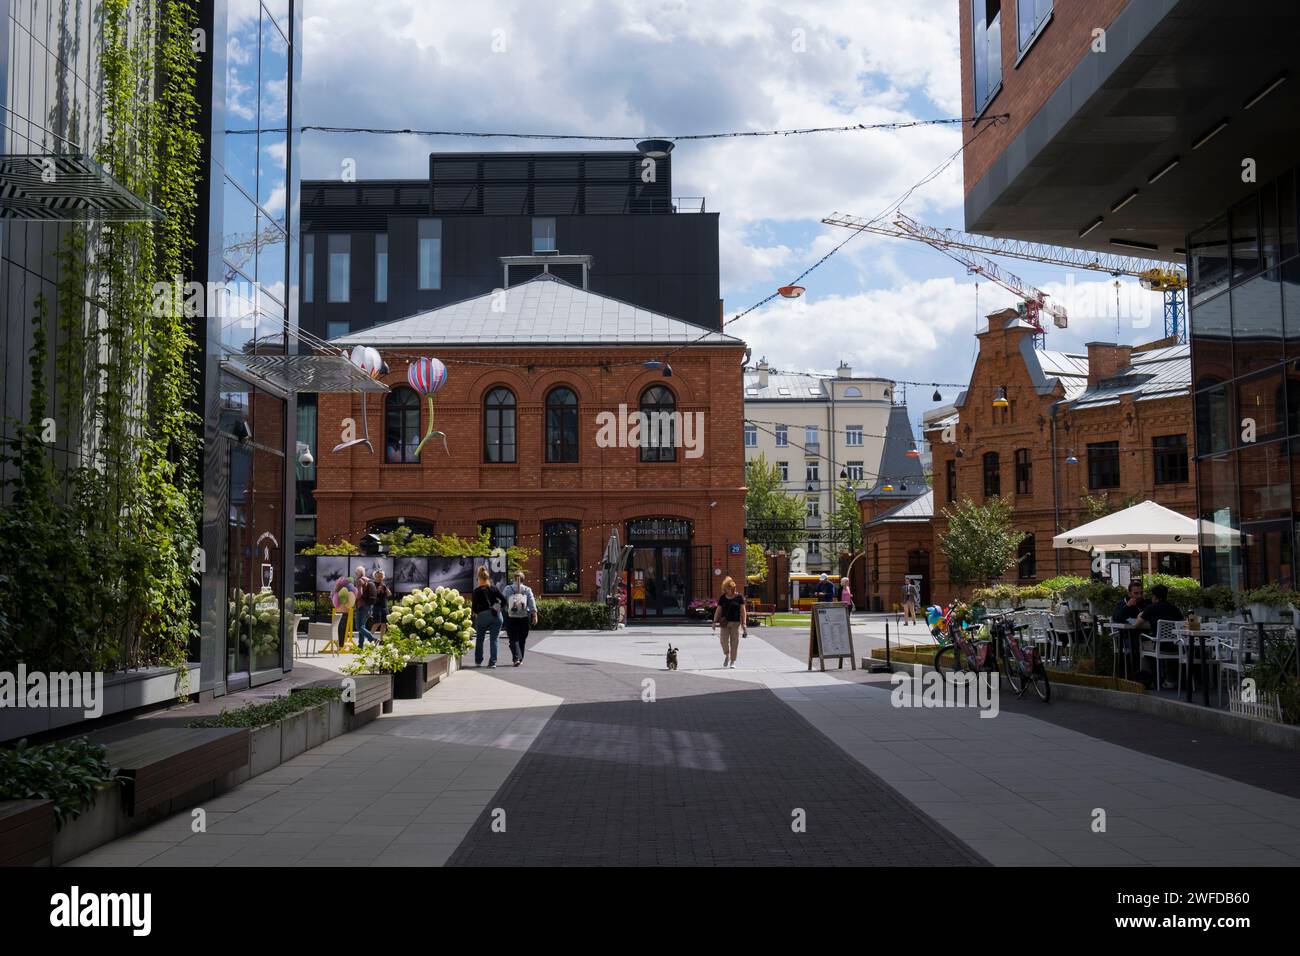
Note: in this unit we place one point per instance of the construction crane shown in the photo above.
(972, 250)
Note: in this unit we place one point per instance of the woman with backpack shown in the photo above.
(486, 605)
(521, 610)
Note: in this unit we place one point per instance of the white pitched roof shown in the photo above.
(542, 311)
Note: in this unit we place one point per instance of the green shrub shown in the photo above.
(1270, 595)
(1220, 598)
(261, 715)
(562, 615)
(68, 772)
(1064, 584)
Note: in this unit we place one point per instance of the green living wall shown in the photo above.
(100, 526)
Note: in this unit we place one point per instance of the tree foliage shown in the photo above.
(845, 519)
(774, 517)
(980, 544)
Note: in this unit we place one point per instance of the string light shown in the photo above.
(612, 138)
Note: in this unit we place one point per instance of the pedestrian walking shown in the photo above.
(486, 605)
(732, 615)
(846, 594)
(911, 598)
(521, 611)
(366, 597)
(383, 594)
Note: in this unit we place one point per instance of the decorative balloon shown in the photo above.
(345, 599)
(426, 376)
(372, 363)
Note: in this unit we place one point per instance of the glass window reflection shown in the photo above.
(241, 99)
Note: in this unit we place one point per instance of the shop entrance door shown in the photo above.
(661, 584)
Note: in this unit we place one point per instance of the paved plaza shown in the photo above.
(593, 753)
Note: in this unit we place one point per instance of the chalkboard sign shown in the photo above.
(830, 634)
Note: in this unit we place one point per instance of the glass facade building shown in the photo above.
(245, 253)
(1244, 300)
(254, 431)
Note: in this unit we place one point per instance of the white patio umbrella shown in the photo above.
(1147, 527)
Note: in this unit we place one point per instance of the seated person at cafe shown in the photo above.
(1132, 605)
(1159, 610)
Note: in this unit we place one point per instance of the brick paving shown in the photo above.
(704, 775)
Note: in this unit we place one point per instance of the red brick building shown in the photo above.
(1116, 421)
(544, 384)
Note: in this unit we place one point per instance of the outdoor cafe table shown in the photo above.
(1185, 638)
(1132, 636)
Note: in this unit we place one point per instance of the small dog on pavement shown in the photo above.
(672, 658)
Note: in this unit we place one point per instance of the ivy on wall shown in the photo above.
(98, 543)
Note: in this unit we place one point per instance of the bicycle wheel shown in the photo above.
(945, 660)
(1012, 672)
(1041, 685)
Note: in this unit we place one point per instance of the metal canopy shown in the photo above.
(66, 188)
(290, 374)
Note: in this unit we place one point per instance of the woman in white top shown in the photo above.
(521, 610)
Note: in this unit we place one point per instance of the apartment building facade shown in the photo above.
(822, 433)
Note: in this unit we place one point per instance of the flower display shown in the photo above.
(431, 621)
(378, 658)
(254, 619)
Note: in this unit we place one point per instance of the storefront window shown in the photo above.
(560, 557)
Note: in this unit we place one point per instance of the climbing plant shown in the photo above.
(101, 527)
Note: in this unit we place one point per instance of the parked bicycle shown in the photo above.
(962, 649)
(1022, 664)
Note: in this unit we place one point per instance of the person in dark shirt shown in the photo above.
(825, 589)
(487, 604)
(1159, 610)
(1132, 605)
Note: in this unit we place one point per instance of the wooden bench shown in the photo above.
(26, 832)
(374, 692)
(762, 612)
(164, 764)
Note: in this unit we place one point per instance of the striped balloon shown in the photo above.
(426, 375)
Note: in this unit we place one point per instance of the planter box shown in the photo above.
(293, 735)
(420, 676)
(1266, 614)
(26, 832)
(124, 691)
(318, 725)
(263, 749)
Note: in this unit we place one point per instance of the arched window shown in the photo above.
(658, 424)
(401, 426)
(561, 425)
(853, 392)
(499, 426)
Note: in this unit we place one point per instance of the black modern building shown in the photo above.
(379, 250)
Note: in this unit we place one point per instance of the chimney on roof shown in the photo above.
(845, 370)
(1106, 360)
(762, 372)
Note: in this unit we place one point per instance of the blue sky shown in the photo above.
(886, 306)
